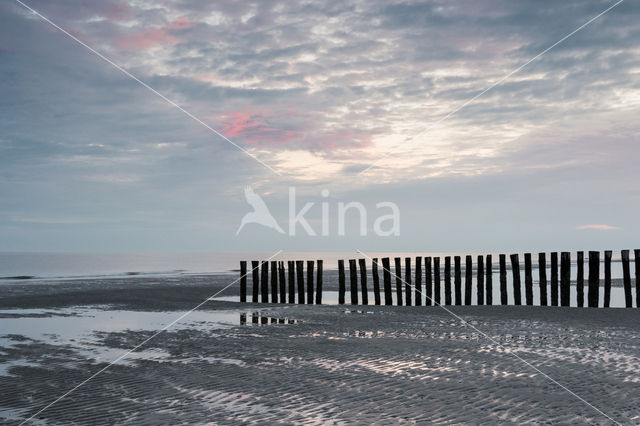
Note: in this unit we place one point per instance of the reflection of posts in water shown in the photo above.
(264, 320)
(254, 318)
(243, 319)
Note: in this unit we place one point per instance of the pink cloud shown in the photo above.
(153, 37)
(598, 227)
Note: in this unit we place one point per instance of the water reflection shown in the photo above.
(258, 319)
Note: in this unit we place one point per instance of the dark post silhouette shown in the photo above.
(626, 278)
(528, 279)
(398, 281)
(386, 276)
(310, 267)
(274, 281)
(515, 270)
(292, 281)
(436, 280)
(300, 276)
(341, 282)
(607, 277)
(457, 280)
(363, 281)
(447, 280)
(255, 280)
(283, 282)
(264, 284)
(580, 279)
(407, 281)
(243, 281)
(594, 279)
(319, 282)
(353, 277)
(565, 278)
(376, 281)
(468, 277)
(503, 279)
(554, 279)
(480, 291)
(636, 254)
(489, 280)
(418, 284)
(542, 278)
(428, 284)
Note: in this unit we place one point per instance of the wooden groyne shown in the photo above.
(419, 282)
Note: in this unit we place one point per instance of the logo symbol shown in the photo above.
(260, 214)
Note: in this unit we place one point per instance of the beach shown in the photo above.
(275, 363)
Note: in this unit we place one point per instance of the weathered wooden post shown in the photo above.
(292, 281)
(376, 281)
(274, 281)
(515, 270)
(300, 276)
(480, 292)
(580, 279)
(418, 284)
(283, 282)
(607, 278)
(542, 278)
(554, 279)
(319, 282)
(447, 280)
(468, 277)
(436, 280)
(310, 268)
(243, 281)
(503, 280)
(255, 280)
(457, 280)
(428, 283)
(363, 281)
(636, 259)
(342, 289)
(353, 276)
(386, 276)
(407, 281)
(594, 279)
(626, 279)
(397, 261)
(528, 279)
(264, 282)
(565, 278)
(489, 280)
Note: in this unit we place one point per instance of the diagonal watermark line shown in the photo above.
(497, 83)
(492, 340)
(128, 74)
(162, 330)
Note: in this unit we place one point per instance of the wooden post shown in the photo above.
(428, 282)
(468, 278)
(407, 281)
(353, 276)
(300, 276)
(580, 279)
(594, 279)
(503, 280)
(447, 280)
(292, 281)
(554, 279)
(283, 282)
(457, 280)
(542, 278)
(363, 281)
(480, 293)
(626, 279)
(342, 289)
(310, 268)
(565, 278)
(489, 280)
(528, 279)
(636, 259)
(398, 281)
(376, 281)
(436, 280)
(607, 278)
(274, 281)
(255, 280)
(319, 282)
(264, 282)
(243, 281)
(418, 284)
(515, 270)
(386, 276)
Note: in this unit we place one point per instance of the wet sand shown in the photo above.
(335, 364)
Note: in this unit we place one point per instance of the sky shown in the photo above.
(369, 101)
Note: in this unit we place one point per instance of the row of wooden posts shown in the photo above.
(430, 293)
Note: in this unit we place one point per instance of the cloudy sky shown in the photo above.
(350, 97)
